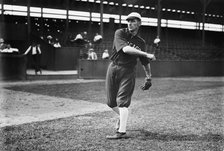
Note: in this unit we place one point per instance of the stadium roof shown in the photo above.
(213, 6)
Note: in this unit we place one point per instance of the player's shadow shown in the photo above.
(147, 135)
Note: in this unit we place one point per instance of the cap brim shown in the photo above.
(132, 17)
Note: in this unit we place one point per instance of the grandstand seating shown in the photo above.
(176, 44)
(179, 44)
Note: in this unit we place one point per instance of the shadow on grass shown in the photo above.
(147, 135)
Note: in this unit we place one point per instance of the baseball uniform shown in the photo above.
(120, 79)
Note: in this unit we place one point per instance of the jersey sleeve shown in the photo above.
(144, 61)
(120, 40)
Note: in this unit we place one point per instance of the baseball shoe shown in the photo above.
(118, 135)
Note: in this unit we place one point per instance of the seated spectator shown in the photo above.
(98, 38)
(6, 48)
(57, 44)
(92, 55)
(2, 44)
(78, 37)
(84, 34)
(105, 54)
(50, 40)
(81, 38)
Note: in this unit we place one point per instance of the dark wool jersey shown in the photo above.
(124, 38)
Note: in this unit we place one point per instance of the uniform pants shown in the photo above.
(120, 83)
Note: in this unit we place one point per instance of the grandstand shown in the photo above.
(189, 30)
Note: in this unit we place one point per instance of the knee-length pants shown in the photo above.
(120, 83)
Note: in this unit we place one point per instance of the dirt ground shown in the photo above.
(175, 114)
(21, 107)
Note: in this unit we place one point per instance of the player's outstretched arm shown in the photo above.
(134, 51)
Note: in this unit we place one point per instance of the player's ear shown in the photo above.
(139, 22)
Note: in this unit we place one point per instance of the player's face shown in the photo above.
(133, 24)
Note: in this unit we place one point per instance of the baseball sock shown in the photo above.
(123, 119)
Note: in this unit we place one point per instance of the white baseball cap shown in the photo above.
(134, 15)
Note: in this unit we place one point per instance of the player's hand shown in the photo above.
(151, 56)
(147, 84)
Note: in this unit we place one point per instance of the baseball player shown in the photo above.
(120, 78)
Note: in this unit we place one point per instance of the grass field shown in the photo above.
(176, 114)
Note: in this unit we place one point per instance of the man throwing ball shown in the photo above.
(120, 78)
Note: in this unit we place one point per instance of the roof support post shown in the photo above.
(158, 17)
(90, 19)
(41, 19)
(2, 20)
(204, 4)
(101, 18)
(203, 23)
(66, 22)
(28, 22)
(2, 11)
(67, 16)
(120, 12)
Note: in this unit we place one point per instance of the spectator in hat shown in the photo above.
(50, 40)
(105, 54)
(6, 48)
(2, 44)
(97, 38)
(92, 55)
(57, 44)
